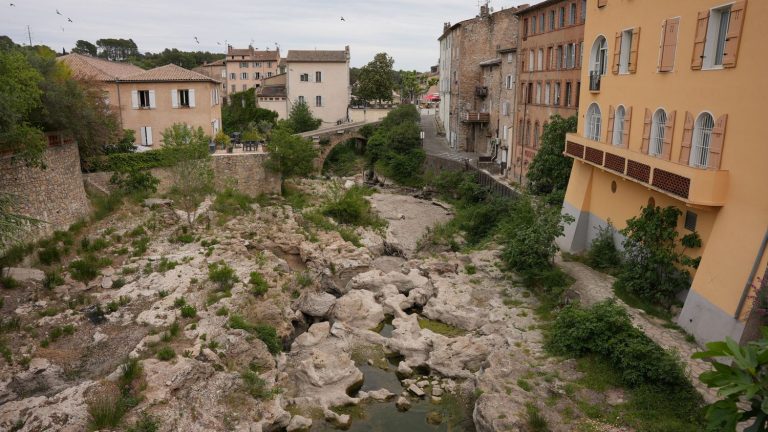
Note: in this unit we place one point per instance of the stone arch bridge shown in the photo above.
(326, 139)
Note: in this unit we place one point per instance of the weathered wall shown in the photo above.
(245, 172)
(367, 114)
(54, 195)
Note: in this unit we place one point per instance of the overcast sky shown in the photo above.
(405, 29)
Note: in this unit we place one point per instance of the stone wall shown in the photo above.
(54, 195)
(243, 171)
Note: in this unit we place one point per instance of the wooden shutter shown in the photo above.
(175, 98)
(669, 44)
(633, 50)
(152, 99)
(191, 98)
(669, 131)
(601, 3)
(716, 144)
(685, 150)
(617, 53)
(735, 24)
(611, 117)
(143, 135)
(700, 40)
(627, 124)
(149, 134)
(134, 99)
(647, 131)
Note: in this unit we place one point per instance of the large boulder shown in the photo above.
(358, 309)
(315, 304)
(242, 349)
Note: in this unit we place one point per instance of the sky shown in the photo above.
(405, 29)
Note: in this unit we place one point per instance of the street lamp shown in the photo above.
(421, 135)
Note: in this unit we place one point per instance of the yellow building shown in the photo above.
(672, 115)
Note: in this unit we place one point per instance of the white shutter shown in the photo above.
(135, 99)
(143, 135)
(175, 98)
(191, 98)
(149, 135)
(152, 99)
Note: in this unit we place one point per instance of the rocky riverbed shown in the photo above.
(375, 336)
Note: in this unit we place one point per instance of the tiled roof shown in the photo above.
(273, 91)
(317, 56)
(254, 55)
(169, 72)
(87, 67)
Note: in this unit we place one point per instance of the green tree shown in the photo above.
(117, 49)
(375, 80)
(289, 154)
(412, 86)
(20, 95)
(395, 146)
(740, 374)
(550, 170)
(301, 119)
(85, 47)
(192, 173)
(242, 113)
(654, 267)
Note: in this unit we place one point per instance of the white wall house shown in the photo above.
(444, 111)
(321, 79)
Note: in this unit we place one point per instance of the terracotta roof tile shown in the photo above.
(87, 67)
(273, 91)
(169, 72)
(254, 55)
(317, 56)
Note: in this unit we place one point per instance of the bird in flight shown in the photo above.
(13, 5)
(57, 12)
(342, 18)
(197, 40)
(69, 19)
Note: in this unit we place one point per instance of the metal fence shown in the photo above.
(437, 164)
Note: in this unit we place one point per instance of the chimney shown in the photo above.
(346, 52)
(484, 10)
(229, 49)
(446, 26)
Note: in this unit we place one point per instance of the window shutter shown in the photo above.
(135, 99)
(191, 98)
(601, 3)
(735, 23)
(647, 131)
(669, 44)
(617, 53)
(152, 99)
(627, 124)
(700, 40)
(143, 135)
(175, 98)
(685, 150)
(611, 117)
(716, 144)
(669, 131)
(633, 50)
(149, 135)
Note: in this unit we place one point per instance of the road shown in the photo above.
(438, 145)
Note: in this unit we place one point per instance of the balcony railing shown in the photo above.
(475, 117)
(481, 91)
(705, 187)
(594, 81)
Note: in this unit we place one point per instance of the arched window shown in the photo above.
(657, 132)
(618, 126)
(702, 137)
(599, 57)
(594, 120)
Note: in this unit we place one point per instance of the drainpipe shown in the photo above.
(119, 103)
(751, 277)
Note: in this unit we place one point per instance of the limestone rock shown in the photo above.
(24, 274)
(358, 309)
(403, 404)
(299, 423)
(380, 395)
(315, 304)
(403, 370)
(416, 390)
(106, 282)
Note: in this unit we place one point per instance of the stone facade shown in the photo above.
(470, 59)
(55, 194)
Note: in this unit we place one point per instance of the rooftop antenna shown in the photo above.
(29, 34)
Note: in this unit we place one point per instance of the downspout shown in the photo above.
(751, 277)
(119, 103)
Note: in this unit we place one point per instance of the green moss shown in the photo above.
(441, 328)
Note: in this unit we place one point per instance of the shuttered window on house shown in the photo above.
(718, 33)
(668, 44)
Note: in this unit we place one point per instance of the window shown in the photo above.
(318, 101)
(570, 56)
(269, 64)
(541, 22)
(223, 73)
(528, 134)
(144, 101)
(599, 59)
(301, 99)
(244, 75)
(304, 77)
(547, 88)
(257, 64)
(533, 26)
(568, 92)
(536, 135)
(560, 56)
(269, 74)
(668, 44)
(525, 27)
(658, 125)
(510, 58)
(232, 76)
(551, 20)
(318, 76)
(572, 15)
(234, 88)
(183, 98)
(541, 59)
(145, 133)
(549, 58)
(626, 47)
(530, 60)
(690, 220)
(257, 75)
(618, 126)
(510, 82)
(583, 10)
(538, 93)
(702, 138)
(593, 122)
(562, 17)
(556, 95)
(530, 93)
(243, 64)
(716, 37)
(245, 87)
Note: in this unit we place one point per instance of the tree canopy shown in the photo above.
(376, 79)
(290, 154)
(550, 170)
(301, 119)
(85, 47)
(117, 49)
(243, 114)
(126, 50)
(395, 146)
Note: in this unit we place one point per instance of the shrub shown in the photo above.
(303, 279)
(106, 410)
(266, 333)
(605, 329)
(351, 207)
(259, 284)
(550, 169)
(256, 386)
(8, 282)
(603, 254)
(145, 423)
(140, 246)
(222, 275)
(290, 154)
(49, 255)
(231, 202)
(188, 311)
(138, 183)
(166, 353)
(104, 205)
(342, 160)
(165, 264)
(87, 268)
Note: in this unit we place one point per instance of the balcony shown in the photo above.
(481, 91)
(594, 81)
(693, 186)
(475, 117)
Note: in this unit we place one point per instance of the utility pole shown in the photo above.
(29, 35)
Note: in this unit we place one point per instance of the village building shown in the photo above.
(249, 67)
(149, 101)
(321, 80)
(671, 117)
(273, 95)
(218, 71)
